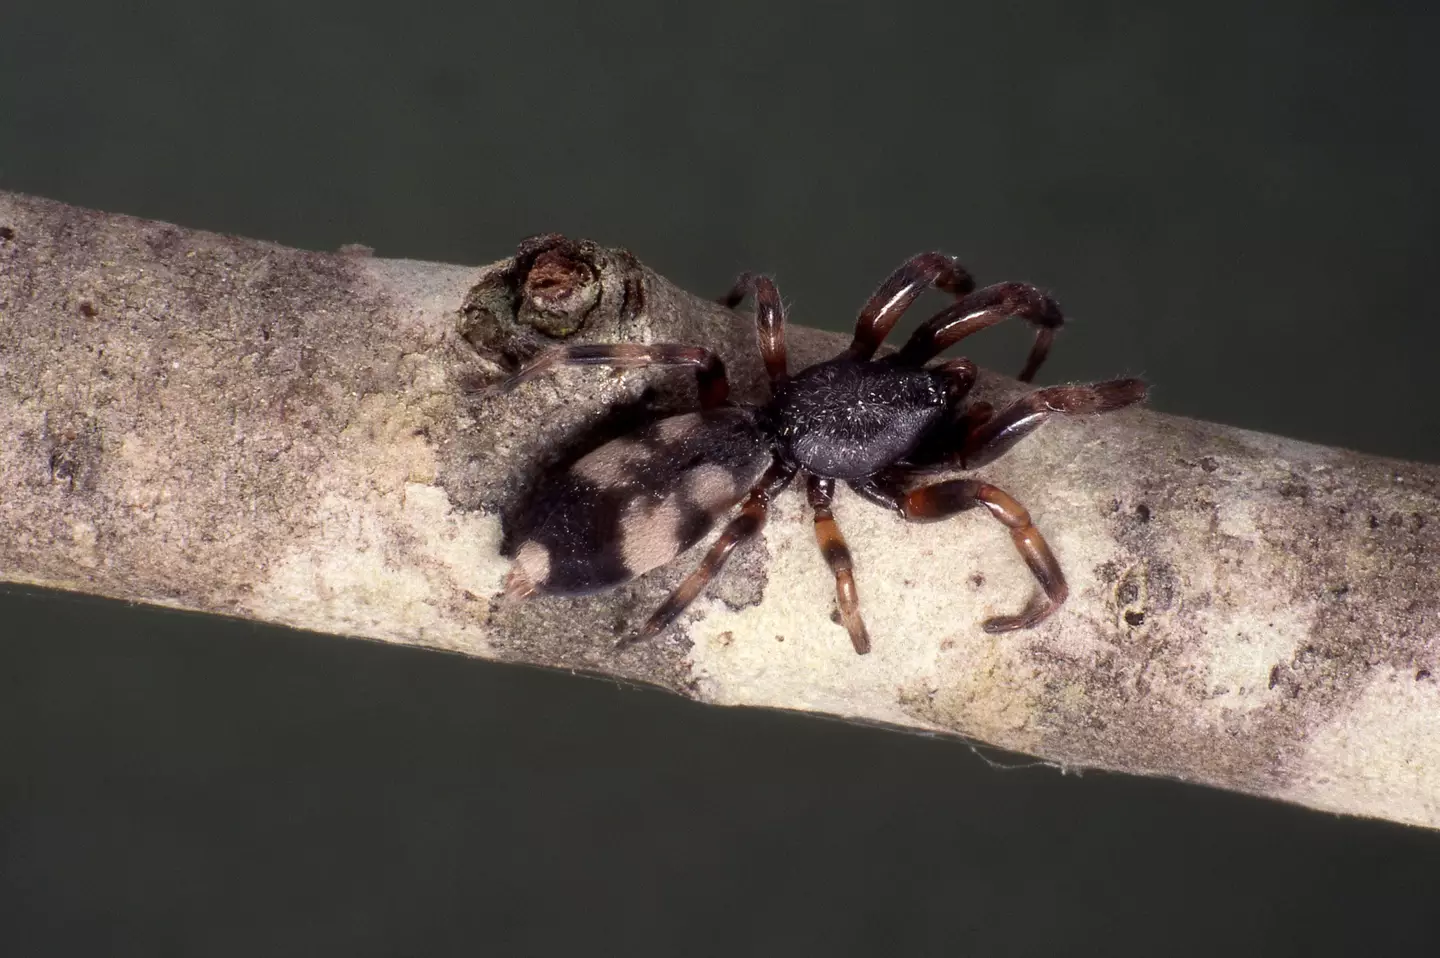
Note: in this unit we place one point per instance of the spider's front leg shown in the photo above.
(749, 522)
(980, 435)
(945, 499)
(991, 438)
(710, 378)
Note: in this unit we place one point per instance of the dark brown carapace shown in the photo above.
(879, 425)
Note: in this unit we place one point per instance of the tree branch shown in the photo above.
(232, 427)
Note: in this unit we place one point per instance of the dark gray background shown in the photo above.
(1238, 203)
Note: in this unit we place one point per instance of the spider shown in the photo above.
(878, 425)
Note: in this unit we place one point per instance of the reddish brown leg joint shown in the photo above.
(837, 556)
(945, 499)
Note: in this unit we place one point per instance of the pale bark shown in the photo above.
(233, 427)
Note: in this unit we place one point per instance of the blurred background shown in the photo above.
(1238, 202)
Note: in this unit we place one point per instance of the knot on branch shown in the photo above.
(553, 288)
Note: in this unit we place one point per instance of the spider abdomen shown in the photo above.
(638, 501)
(846, 419)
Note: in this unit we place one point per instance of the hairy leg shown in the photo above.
(945, 499)
(980, 310)
(750, 521)
(991, 438)
(899, 292)
(979, 435)
(769, 321)
(837, 555)
(710, 376)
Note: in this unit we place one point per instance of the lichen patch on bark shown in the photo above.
(1379, 757)
(414, 571)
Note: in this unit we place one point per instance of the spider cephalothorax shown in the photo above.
(878, 425)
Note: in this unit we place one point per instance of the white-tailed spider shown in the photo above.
(879, 425)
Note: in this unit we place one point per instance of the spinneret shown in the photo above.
(879, 425)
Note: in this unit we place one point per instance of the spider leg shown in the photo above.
(978, 435)
(899, 292)
(769, 321)
(991, 437)
(945, 499)
(750, 521)
(710, 376)
(981, 309)
(837, 555)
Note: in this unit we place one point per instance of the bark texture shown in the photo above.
(238, 428)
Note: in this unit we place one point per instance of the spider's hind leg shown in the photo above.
(747, 524)
(710, 377)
